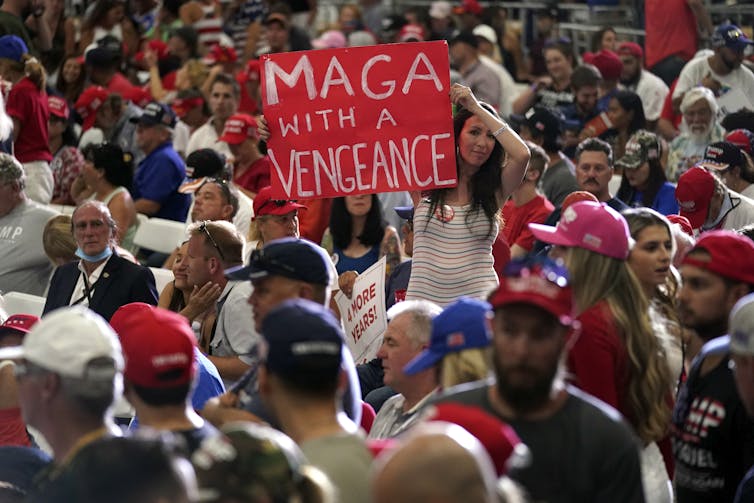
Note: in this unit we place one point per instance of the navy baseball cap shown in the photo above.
(156, 114)
(12, 47)
(303, 340)
(405, 212)
(291, 258)
(731, 36)
(464, 324)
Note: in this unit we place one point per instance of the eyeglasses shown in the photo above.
(220, 182)
(203, 228)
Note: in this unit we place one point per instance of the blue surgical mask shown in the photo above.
(104, 254)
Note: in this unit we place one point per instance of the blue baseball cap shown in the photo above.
(304, 340)
(731, 36)
(405, 212)
(156, 114)
(12, 47)
(464, 324)
(291, 258)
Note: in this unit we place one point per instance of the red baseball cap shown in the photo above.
(632, 49)
(544, 285)
(158, 345)
(88, 104)
(683, 223)
(182, 106)
(743, 139)
(265, 205)
(253, 70)
(412, 32)
(159, 47)
(607, 62)
(498, 438)
(694, 193)
(220, 54)
(18, 323)
(728, 253)
(58, 107)
(238, 128)
(470, 6)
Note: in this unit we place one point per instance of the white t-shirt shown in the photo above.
(206, 137)
(652, 91)
(508, 90)
(695, 70)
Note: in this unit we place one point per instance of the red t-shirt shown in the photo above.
(517, 220)
(256, 176)
(598, 361)
(670, 29)
(667, 108)
(313, 221)
(501, 254)
(247, 104)
(28, 105)
(12, 428)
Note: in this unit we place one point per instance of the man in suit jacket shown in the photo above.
(101, 280)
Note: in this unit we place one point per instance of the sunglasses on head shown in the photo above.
(203, 228)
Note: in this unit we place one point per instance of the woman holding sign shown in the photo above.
(454, 228)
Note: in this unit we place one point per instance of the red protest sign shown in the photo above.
(359, 120)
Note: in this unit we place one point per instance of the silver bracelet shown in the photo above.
(502, 128)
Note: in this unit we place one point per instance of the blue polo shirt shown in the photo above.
(158, 178)
(665, 201)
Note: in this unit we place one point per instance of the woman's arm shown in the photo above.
(516, 152)
(123, 212)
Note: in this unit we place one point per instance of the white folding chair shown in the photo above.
(160, 235)
(162, 277)
(23, 303)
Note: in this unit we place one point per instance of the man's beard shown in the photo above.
(632, 81)
(699, 137)
(525, 399)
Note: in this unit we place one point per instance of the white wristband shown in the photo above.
(499, 131)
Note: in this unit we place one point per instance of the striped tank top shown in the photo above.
(452, 256)
(210, 28)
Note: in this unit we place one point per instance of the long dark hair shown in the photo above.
(116, 164)
(655, 181)
(341, 224)
(485, 183)
(631, 102)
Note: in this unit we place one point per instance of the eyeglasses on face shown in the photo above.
(203, 228)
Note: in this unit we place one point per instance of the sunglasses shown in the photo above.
(203, 228)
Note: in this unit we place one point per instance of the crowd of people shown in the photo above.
(573, 320)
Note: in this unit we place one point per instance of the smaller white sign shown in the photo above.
(363, 315)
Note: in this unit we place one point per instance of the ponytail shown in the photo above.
(34, 70)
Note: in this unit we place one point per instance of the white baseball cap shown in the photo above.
(741, 326)
(67, 340)
(440, 9)
(486, 32)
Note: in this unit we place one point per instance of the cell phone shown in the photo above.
(245, 379)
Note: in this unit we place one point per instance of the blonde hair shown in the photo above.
(31, 68)
(197, 72)
(596, 277)
(57, 239)
(465, 366)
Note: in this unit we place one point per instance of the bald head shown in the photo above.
(436, 463)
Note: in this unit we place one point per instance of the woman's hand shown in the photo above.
(462, 95)
(262, 129)
(346, 281)
(201, 300)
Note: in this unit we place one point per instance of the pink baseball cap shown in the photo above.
(589, 225)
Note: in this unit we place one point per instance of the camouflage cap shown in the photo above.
(640, 148)
(10, 169)
(251, 462)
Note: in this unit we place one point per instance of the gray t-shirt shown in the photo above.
(345, 460)
(583, 452)
(24, 267)
(558, 181)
